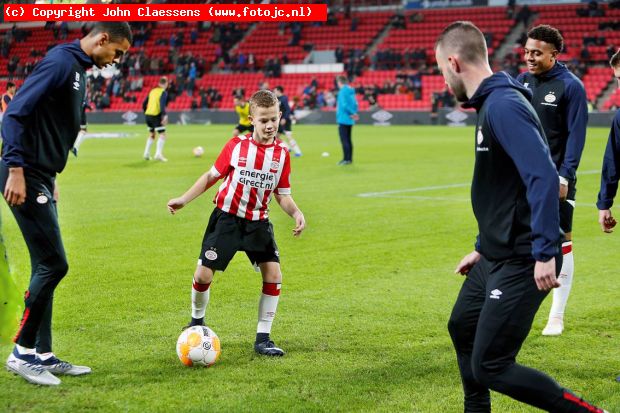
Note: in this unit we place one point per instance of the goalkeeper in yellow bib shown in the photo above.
(154, 107)
(242, 107)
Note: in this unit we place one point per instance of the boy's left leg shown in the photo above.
(267, 306)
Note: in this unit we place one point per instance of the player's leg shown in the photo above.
(555, 324)
(161, 141)
(149, 141)
(267, 307)
(37, 221)
(221, 241)
(262, 250)
(282, 136)
(291, 141)
(462, 328)
(201, 293)
(512, 300)
(345, 139)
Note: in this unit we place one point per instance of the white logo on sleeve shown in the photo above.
(495, 294)
(480, 141)
(211, 255)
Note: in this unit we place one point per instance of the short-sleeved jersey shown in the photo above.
(244, 113)
(251, 172)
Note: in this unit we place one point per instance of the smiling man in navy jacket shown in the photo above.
(517, 255)
(39, 129)
(559, 99)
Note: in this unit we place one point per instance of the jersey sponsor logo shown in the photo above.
(257, 179)
(495, 294)
(211, 255)
(549, 99)
(42, 199)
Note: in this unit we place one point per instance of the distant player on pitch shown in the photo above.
(154, 107)
(286, 122)
(243, 110)
(253, 167)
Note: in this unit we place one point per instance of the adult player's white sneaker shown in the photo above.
(57, 366)
(147, 157)
(28, 366)
(160, 158)
(554, 327)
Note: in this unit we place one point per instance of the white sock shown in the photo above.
(45, 356)
(293, 142)
(560, 294)
(267, 307)
(160, 146)
(149, 143)
(24, 350)
(79, 140)
(200, 299)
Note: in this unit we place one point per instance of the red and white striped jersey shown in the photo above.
(251, 172)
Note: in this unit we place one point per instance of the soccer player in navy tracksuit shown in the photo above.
(611, 166)
(517, 255)
(286, 122)
(559, 99)
(39, 129)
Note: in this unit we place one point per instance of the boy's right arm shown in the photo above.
(203, 183)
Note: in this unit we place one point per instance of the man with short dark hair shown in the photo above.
(517, 252)
(559, 99)
(39, 129)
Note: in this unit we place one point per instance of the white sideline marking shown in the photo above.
(397, 192)
(401, 191)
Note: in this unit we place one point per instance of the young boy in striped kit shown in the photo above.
(253, 168)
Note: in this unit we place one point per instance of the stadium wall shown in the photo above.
(379, 118)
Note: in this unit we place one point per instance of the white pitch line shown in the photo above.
(421, 189)
(390, 194)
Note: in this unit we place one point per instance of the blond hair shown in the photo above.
(263, 99)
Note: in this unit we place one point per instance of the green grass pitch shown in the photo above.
(367, 291)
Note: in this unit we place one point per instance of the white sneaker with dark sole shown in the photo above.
(57, 366)
(27, 366)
